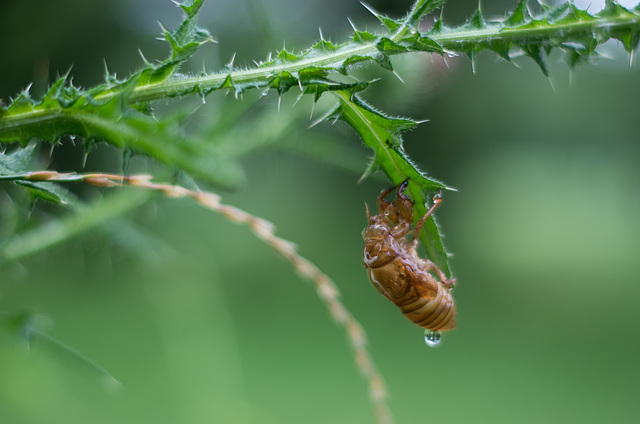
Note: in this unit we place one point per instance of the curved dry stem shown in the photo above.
(265, 230)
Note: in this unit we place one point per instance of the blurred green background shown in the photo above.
(201, 322)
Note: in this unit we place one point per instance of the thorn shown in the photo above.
(422, 122)
(84, 159)
(398, 76)
(269, 58)
(233, 58)
(66, 75)
(297, 100)
(444, 60)
(571, 78)
(164, 31)
(352, 24)
(279, 102)
(300, 85)
(473, 62)
(256, 63)
(370, 9)
(606, 55)
(176, 3)
(632, 56)
(313, 109)
(553, 87)
(144, 59)
(317, 121)
(516, 65)
(321, 36)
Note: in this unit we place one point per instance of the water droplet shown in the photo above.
(432, 338)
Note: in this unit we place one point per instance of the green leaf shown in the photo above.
(364, 37)
(19, 162)
(283, 81)
(476, 21)
(49, 192)
(559, 27)
(382, 134)
(391, 24)
(519, 16)
(422, 8)
(114, 122)
(58, 231)
(26, 325)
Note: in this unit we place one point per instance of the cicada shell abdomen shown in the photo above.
(435, 314)
(423, 299)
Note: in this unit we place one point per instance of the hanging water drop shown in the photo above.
(432, 338)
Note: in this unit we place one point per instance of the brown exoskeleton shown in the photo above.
(397, 272)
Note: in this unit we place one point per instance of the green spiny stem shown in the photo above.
(59, 231)
(528, 33)
(449, 42)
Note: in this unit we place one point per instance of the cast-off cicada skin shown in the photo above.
(397, 272)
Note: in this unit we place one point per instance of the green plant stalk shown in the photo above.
(459, 40)
(449, 42)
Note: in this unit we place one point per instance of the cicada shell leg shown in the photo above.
(437, 199)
